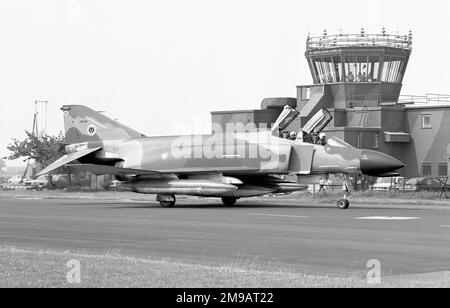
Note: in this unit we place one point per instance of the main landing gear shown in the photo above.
(166, 200)
(170, 200)
(229, 201)
(344, 204)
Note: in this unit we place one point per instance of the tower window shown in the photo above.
(426, 121)
(374, 68)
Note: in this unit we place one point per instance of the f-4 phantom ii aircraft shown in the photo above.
(227, 165)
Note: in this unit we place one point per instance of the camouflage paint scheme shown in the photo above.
(220, 165)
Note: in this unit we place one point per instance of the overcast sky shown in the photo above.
(153, 64)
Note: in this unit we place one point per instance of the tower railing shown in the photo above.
(359, 40)
(430, 98)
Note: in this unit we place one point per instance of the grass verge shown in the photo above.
(47, 269)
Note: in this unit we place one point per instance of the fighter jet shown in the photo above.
(225, 164)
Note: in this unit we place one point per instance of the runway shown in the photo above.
(259, 233)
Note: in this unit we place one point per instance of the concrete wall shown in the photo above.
(430, 145)
(393, 119)
(355, 94)
(363, 117)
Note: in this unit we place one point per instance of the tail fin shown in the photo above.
(83, 124)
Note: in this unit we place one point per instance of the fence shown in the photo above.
(436, 185)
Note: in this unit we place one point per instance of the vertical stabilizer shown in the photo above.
(83, 124)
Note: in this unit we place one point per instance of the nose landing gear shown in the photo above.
(344, 204)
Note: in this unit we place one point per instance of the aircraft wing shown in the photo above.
(68, 158)
(102, 169)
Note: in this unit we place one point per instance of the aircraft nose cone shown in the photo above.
(375, 163)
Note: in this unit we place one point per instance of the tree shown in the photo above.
(43, 149)
(2, 166)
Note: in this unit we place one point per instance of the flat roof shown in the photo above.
(427, 106)
(397, 133)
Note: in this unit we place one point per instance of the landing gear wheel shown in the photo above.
(229, 201)
(343, 204)
(166, 200)
(167, 203)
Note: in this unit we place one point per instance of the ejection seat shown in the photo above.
(316, 125)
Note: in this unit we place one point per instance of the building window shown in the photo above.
(426, 169)
(306, 93)
(350, 69)
(386, 69)
(443, 169)
(358, 140)
(374, 68)
(426, 121)
(328, 69)
(361, 68)
(376, 140)
(338, 68)
(393, 69)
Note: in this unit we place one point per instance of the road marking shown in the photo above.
(28, 198)
(386, 218)
(273, 215)
(445, 226)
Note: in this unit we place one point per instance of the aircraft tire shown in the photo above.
(229, 201)
(343, 204)
(167, 204)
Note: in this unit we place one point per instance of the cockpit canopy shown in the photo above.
(311, 130)
(314, 126)
(286, 117)
(318, 122)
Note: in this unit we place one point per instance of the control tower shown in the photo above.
(358, 70)
(358, 78)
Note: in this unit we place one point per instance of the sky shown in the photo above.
(162, 66)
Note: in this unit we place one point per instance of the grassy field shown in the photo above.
(44, 269)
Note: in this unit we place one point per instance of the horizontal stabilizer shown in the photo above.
(103, 169)
(68, 158)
